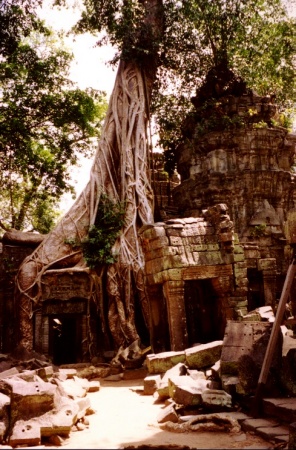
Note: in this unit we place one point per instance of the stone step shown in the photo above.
(283, 409)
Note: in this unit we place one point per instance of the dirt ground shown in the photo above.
(124, 417)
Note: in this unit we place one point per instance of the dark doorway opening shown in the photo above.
(159, 331)
(65, 336)
(256, 289)
(203, 317)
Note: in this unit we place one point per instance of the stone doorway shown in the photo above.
(256, 296)
(65, 337)
(202, 312)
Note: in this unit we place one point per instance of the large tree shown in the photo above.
(45, 120)
(183, 40)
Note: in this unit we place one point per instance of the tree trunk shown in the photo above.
(120, 170)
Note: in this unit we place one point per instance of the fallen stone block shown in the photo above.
(25, 433)
(211, 397)
(161, 362)
(230, 384)
(30, 399)
(83, 406)
(45, 372)
(163, 390)
(70, 388)
(68, 373)
(58, 422)
(151, 384)
(94, 386)
(177, 370)
(9, 373)
(186, 391)
(83, 382)
(28, 375)
(203, 355)
(196, 374)
(55, 440)
(168, 414)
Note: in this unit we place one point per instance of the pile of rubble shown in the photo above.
(192, 393)
(40, 402)
(205, 387)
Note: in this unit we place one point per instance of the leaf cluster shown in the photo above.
(97, 248)
(45, 120)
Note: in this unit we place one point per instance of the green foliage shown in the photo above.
(97, 247)
(258, 230)
(45, 120)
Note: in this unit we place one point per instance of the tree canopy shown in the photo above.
(45, 120)
(255, 39)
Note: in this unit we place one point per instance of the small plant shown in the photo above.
(258, 230)
(97, 247)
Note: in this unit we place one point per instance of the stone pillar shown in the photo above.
(268, 268)
(174, 295)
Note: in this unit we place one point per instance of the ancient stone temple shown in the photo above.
(195, 278)
(235, 156)
(219, 248)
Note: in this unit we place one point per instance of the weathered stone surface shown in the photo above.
(151, 384)
(196, 374)
(8, 373)
(45, 372)
(186, 391)
(94, 386)
(25, 433)
(168, 414)
(216, 397)
(30, 399)
(84, 405)
(57, 422)
(71, 388)
(204, 355)
(161, 362)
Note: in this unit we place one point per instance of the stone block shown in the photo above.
(30, 399)
(159, 243)
(186, 391)
(68, 372)
(216, 397)
(168, 414)
(204, 355)
(94, 386)
(25, 433)
(9, 373)
(163, 390)
(267, 264)
(70, 388)
(45, 372)
(161, 362)
(83, 406)
(151, 384)
(196, 374)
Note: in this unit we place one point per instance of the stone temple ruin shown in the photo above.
(216, 259)
(220, 249)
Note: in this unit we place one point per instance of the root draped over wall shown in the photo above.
(119, 170)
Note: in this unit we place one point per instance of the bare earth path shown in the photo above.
(124, 417)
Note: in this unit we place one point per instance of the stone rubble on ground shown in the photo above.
(41, 403)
